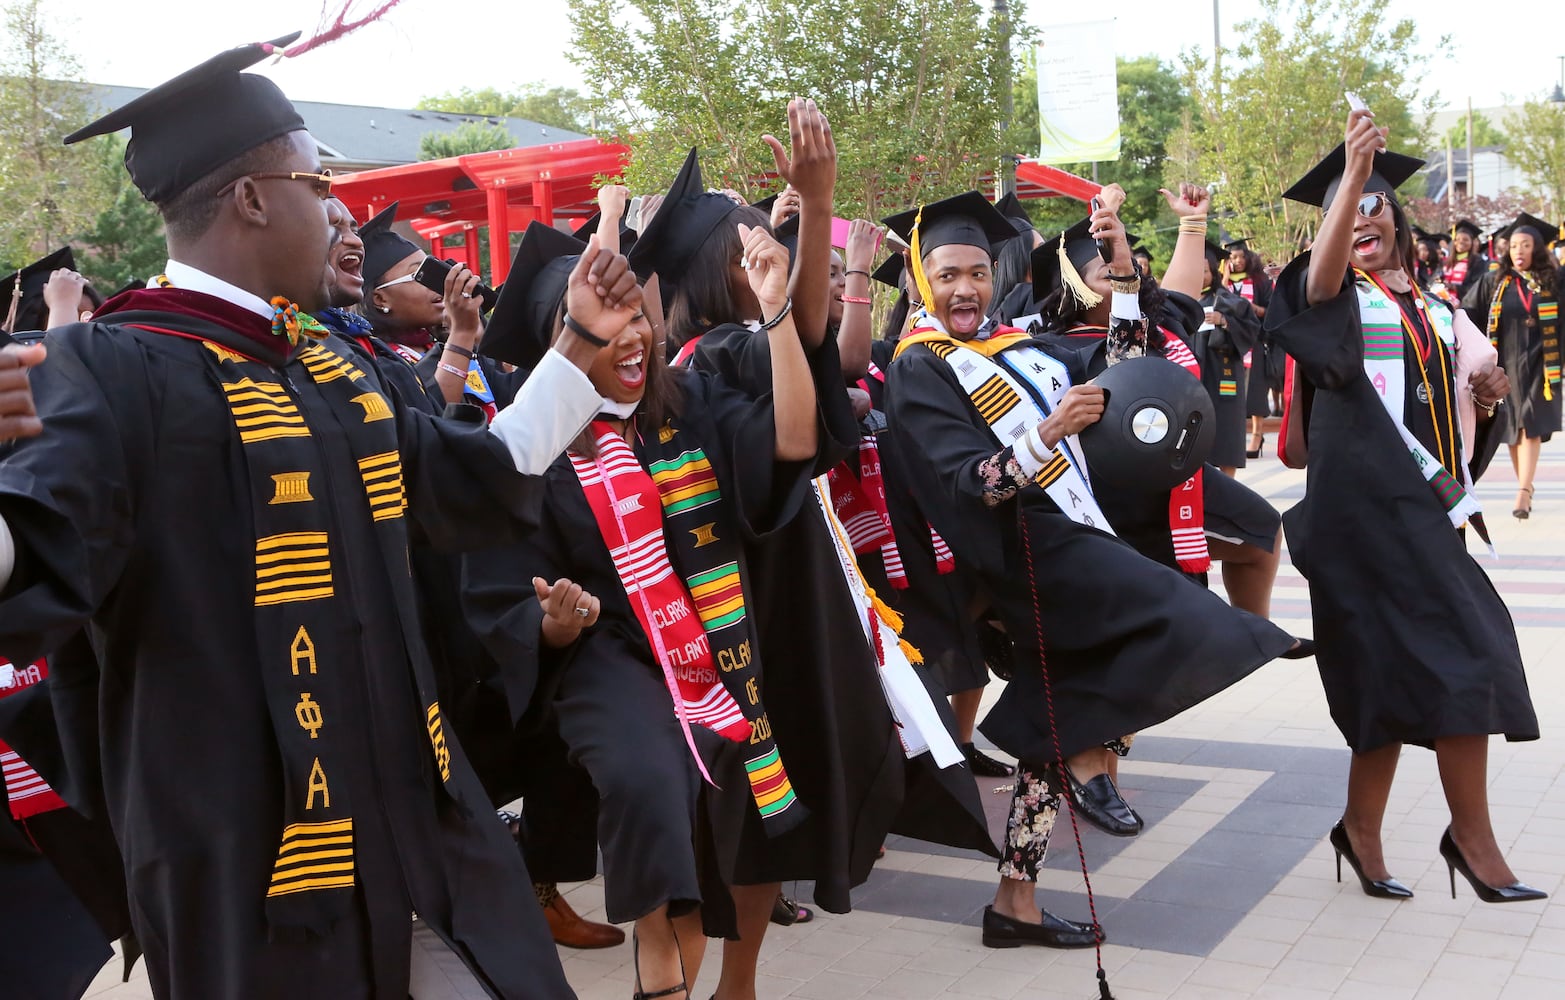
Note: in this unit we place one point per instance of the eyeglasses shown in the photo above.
(1371, 205)
(321, 181)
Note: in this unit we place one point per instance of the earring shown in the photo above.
(384, 309)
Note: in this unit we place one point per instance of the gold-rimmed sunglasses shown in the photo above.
(321, 181)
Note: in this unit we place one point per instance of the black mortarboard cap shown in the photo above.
(966, 219)
(384, 247)
(689, 214)
(627, 235)
(1467, 226)
(1010, 206)
(1319, 186)
(890, 272)
(1237, 243)
(1547, 231)
(522, 325)
(787, 233)
(765, 204)
(1080, 248)
(1215, 257)
(31, 314)
(182, 130)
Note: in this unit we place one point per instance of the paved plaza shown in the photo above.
(1230, 892)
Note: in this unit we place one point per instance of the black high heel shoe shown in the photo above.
(1516, 892)
(1256, 451)
(635, 964)
(1384, 889)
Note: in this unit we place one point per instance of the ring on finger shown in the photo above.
(583, 612)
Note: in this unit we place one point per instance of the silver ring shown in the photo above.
(466, 295)
(584, 612)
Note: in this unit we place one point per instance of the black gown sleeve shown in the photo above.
(1326, 340)
(69, 494)
(1243, 331)
(1476, 297)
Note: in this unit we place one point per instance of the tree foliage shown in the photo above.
(556, 107)
(1438, 216)
(126, 241)
(48, 191)
(1538, 148)
(1152, 106)
(1485, 132)
(468, 137)
(1270, 108)
(909, 87)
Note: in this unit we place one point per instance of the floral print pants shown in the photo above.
(1033, 810)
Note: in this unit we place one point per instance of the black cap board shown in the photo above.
(966, 219)
(1547, 232)
(384, 247)
(1466, 226)
(787, 233)
(182, 130)
(1011, 207)
(689, 214)
(31, 313)
(890, 271)
(627, 235)
(765, 204)
(1319, 186)
(1080, 248)
(521, 328)
(1237, 243)
(1215, 257)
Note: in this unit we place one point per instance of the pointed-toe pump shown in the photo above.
(1384, 888)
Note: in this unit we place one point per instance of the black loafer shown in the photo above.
(1100, 804)
(1302, 649)
(985, 766)
(1000, 931)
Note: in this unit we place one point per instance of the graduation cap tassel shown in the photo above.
(1071, 279)
(916, 261)
(1054, 729)
(329, 30)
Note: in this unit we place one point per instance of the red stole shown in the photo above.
(1186, 502)
(28, 793)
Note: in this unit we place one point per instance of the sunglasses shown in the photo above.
(398, 281)
(1372, 205)
(321, 181)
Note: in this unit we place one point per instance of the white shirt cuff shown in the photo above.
(553, 406)
(1025, 446)
(1125, 305)
(7, 553)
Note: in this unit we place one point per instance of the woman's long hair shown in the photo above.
(701, 299)
(1543, 270)
(1012, 267)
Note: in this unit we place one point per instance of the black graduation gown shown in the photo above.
(132, 515)
(1128, 643)
(855, 769)
(1414, 642)
(1526, 411)
(1221, 351)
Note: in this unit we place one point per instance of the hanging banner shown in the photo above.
(1078, 93)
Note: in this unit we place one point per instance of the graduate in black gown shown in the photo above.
(1415, 645)
(225, 505)
(1229, 331)
(1467, 263)
(1107, 641)
(1244, 275)
(1518, 305)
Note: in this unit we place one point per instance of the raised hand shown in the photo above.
(863, 239)
(766, 265)
(1363, 140)
(18, 414)
(1106, 226)
(613, 199)
(462, 304)
(785, 207)
(567, 609)
(811, 168)
(602, 294)
(63, 293)
(1192, 200)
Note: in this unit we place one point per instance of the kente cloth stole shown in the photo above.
(863, 509)
(1385, 339)
(674, 542)
(1545, 313)
(1013, 391)
(25, 790)
(918, 723)
(1187, 501)
(300, 632)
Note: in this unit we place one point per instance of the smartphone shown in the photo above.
(432, 275)
(1355, 102)
(633, 214)
(1104, 250)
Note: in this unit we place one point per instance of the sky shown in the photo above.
(425, 47)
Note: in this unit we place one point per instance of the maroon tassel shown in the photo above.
(334, 28)
(1103, 984)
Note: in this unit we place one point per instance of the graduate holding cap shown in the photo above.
(1518, 305)
(1414, 645)
(225, 504)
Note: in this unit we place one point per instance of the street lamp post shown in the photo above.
(1558, 97)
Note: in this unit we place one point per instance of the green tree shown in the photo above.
(1152, 106)
(909, 87)
(1485, 133)
(47, 190)
(1269, 109)
(126, 241)
(557, 107)
(468, 137)
(1538, 131)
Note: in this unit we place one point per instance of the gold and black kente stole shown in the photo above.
(305, 633)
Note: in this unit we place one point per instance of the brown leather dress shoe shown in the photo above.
(571, 931)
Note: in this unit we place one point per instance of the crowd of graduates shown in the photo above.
(315, 552)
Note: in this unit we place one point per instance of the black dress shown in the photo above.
(133, 519)
(1127, 643)
(1221, 351)
(1414, 642)
(1526, 411)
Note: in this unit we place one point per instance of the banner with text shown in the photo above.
(1078, 98)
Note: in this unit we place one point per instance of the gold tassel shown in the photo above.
(1071, 279)
(911, 652)
(916, 259)
(887, 614)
